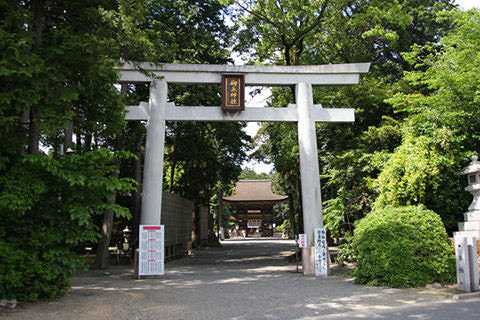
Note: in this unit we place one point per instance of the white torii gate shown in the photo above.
(304, 112)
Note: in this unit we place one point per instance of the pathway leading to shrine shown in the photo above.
(243, 279)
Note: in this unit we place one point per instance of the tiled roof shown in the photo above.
(254, 190)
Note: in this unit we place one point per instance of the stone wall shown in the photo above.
(177, 218)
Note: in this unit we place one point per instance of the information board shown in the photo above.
(302, 240)
(151, 250)
(254, 223)
(321, 255)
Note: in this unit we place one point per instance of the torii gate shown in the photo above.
(304, 112)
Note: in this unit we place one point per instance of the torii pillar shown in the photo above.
(309, 171)
(304, 112)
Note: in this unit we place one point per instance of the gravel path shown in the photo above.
(243, 279)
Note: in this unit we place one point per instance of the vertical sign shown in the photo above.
(233, 92)
(302, 240)
(151, 250)
(321, 255)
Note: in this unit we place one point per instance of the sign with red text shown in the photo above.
(233, 92)
(302, 240)
(151, 250)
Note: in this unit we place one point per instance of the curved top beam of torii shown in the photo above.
(327, 74)
(331, 74)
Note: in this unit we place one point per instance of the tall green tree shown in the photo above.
(57, 75)
(442, 123)
(342, 32)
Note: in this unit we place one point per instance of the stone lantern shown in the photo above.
(472, 216)
(469, 232)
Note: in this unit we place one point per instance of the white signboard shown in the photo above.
(302, 240)
(254, 223)
(151, 250)
(321, 256)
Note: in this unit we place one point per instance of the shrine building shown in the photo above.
(252, 204)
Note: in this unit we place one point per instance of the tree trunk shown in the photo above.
(298, 52)
(38, 25)
(220, 218)
(300, 207)
(34, 143)
(88, 142)
(78, 143)
(287, 54)
(291, 210)
(23, 127)
(101, 258)
(196, 225)
(68, 139)
(137, 195)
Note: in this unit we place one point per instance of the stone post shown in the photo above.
(467, 263)
(154, 149)
(309, 172)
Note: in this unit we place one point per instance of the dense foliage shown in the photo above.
(46, 209)
(57, 75)
(402, 247)
(59, 96)
(322, 32)
(442, 125)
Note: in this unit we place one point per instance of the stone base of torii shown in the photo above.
(157, 111)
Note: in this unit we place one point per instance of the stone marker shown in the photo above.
(467, 263)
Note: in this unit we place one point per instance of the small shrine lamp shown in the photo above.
(472, 171)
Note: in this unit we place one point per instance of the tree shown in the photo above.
(58, 76)
(249, 174)
(347, 32)
(269, 27)
(443, 118)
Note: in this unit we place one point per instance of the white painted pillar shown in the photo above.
(309, 172)
(154, 149)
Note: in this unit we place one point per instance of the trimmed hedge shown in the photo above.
(402, 247)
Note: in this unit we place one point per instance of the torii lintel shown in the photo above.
(254, 114)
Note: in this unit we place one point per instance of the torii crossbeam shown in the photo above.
(304, 112)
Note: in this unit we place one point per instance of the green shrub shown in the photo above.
(46, 209)
(402, 247)
(286, 227)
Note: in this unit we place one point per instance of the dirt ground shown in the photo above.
(242, 279)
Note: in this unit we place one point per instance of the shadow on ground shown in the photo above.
(246, 279)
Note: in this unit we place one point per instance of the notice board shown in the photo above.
(151, 250)
(321, 255)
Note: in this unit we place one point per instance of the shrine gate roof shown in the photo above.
(254, 191)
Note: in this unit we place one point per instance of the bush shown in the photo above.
(47, 207)
(286, 228)
(402, 247)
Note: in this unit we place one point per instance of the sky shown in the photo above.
(468, 4)
(261, 99)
